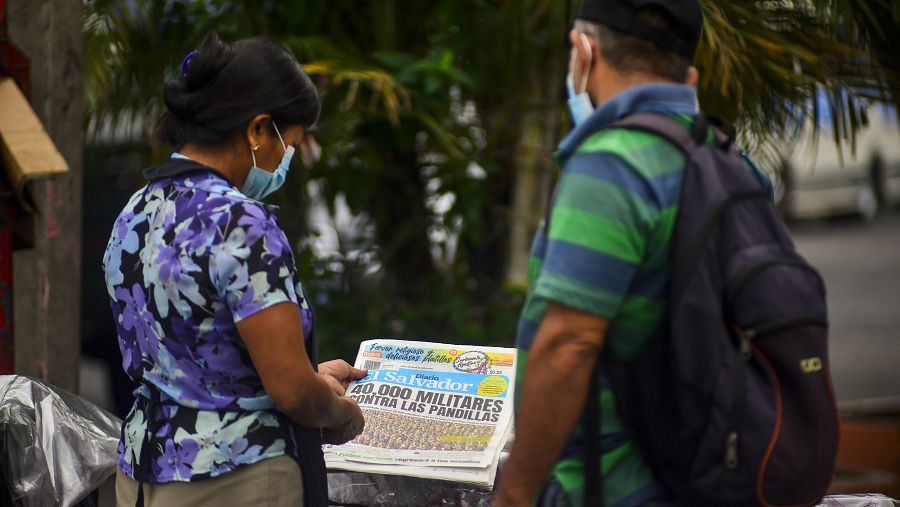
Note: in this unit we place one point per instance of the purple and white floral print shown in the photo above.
(188, 258)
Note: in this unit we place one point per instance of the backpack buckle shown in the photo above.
(746, 349)
(724, 133)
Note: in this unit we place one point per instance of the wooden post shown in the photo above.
(48, 276)
(6, 297)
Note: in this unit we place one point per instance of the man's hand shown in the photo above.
(349, 430)
(338, 374)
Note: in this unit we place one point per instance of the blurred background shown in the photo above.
(413, 217)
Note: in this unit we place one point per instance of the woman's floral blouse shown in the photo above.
(188, 258)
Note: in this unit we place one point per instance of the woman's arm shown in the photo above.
(274, 338)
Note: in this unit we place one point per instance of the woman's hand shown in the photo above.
(338, 374)
(274, 338)
(349, 430)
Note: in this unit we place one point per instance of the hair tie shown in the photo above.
(184, 63)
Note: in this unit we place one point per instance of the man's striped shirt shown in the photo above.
(607, 253)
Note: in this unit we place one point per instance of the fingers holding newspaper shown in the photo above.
(347, 431)
(338, 374)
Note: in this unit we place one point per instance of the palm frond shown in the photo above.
(764, 63)
(386, 90)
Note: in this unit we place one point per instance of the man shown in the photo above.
(599, 274)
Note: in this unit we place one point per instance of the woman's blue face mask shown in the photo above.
(259, 182)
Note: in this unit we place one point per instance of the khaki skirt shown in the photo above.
(269, 483)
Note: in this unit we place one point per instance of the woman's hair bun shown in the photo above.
(222, 86)
(205, 63)
(197, 69)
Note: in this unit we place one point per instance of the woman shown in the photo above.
(212, 323)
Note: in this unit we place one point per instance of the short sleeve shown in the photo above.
(252, 267)
(598, 234)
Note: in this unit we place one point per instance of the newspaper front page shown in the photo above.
(432, 410)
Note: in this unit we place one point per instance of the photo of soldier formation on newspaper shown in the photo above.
(430, 405)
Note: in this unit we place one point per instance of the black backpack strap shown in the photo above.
(686, 139)
(667, 128)
(593, 472)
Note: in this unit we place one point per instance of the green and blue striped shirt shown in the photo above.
(607, 253)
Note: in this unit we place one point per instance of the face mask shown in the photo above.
(579, 103)
(259, 182)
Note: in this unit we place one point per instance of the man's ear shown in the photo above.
(588, 51)
(582, 56)
(573, 37)
(693, 77)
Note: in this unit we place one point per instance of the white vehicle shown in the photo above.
(821, 179)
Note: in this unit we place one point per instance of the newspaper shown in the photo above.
(432, 410)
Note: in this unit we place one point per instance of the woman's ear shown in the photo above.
(257, 130)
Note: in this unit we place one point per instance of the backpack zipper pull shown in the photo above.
(746, 351)
(731, 451)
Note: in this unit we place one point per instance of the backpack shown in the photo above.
(734, 405)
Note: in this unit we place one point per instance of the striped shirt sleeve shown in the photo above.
(603, 215)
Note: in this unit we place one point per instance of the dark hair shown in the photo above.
(222, 86)
(630, 55)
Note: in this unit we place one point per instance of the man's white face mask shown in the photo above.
(580, 105)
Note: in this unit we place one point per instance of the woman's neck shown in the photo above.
(218, 158)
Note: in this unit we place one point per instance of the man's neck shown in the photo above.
(613, 83)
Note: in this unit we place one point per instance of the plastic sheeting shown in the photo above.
(56, 447)
(373, 490)
(866, 500)
(376, 490)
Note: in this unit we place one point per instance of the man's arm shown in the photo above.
(556, 382)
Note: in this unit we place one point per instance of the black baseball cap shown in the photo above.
(621, 16)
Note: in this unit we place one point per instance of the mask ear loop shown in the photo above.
(253, 154)
(279, 136)
(586, 72)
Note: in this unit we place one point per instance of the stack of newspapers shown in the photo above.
(433, 410)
